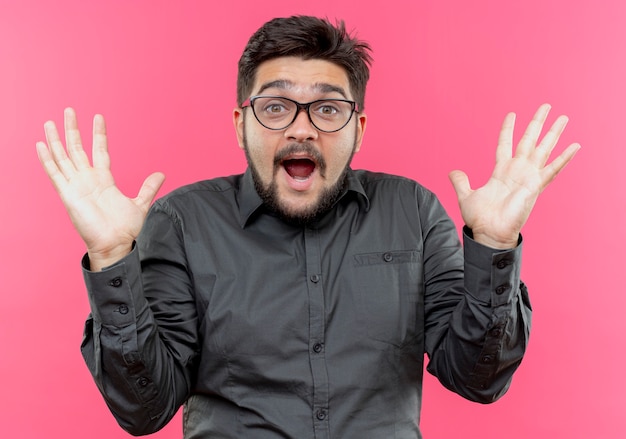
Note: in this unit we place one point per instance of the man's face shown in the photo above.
(299, 170)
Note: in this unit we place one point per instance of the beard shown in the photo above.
(269, 192)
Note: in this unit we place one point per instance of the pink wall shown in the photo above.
(445, 73)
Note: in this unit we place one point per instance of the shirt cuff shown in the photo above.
(491, 276)
(115, 292)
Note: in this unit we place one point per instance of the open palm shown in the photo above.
(497, 211)
(106, 219)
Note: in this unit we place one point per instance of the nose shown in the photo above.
(301, 129)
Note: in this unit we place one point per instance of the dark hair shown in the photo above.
(308, 38)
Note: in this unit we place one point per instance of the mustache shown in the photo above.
(298, 148)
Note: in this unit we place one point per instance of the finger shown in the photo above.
(50, 166)
(527, 143)
(461, 184)
(504, 150)
(59, 155)
(549, 141)
(100, 150)
(149, 189)
(552, 170)
(73, 141)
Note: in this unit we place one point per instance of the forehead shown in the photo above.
(299, 76)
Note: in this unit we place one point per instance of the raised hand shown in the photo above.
(497, 211)
(106, 219)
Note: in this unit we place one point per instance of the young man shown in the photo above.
(298, 299)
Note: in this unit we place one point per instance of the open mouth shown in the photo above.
(299, 168)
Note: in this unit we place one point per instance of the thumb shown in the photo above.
(149, 189)
(461, 184)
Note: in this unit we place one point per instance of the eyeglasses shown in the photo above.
(277, 112)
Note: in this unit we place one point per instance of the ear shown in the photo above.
(238, 117)
(361, 124)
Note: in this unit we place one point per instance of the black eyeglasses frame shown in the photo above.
(301, 107)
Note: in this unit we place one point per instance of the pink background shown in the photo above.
(445, 74)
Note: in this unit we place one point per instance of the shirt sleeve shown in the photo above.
(143, 369)
(477, 312)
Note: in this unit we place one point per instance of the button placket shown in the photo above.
(317, 327)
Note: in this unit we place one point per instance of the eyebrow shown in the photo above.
(321, 87)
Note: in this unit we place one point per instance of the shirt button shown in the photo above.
(321, 414)
(501, 264)
(318, 347)
(501, 289)
(143, 381)
(315, 278)
(116, 282)
(388, 257)
(487, 359)
(123, 309)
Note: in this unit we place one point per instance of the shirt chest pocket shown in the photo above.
(390, 295)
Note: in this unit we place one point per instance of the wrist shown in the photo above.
(98, 260)
(499, 243)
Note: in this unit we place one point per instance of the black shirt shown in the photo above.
(269, 330)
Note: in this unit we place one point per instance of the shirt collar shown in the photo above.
(250, 202)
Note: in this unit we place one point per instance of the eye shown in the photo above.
(274, 108)
(327, 108)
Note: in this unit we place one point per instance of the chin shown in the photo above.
(298, 215)
(300, 212)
